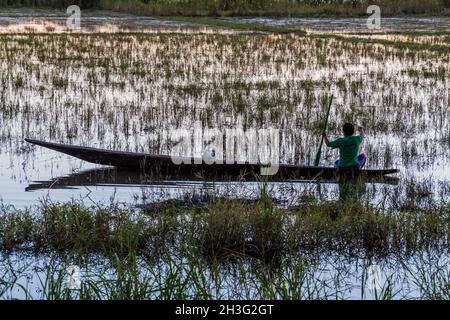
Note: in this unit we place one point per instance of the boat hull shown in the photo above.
(173, 166)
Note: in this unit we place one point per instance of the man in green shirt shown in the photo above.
(349, 147)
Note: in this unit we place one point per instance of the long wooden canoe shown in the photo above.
(167, 165)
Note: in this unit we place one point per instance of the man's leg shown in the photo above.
(362, 160)
(336, 163)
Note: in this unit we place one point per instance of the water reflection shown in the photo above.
(327, 276)
(390, 24)
(351, 190)
(115, 177)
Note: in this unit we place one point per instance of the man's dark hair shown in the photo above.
(349, 129)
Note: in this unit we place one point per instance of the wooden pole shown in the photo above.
(325, 124)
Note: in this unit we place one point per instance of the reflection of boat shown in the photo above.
(169, 168)
(119, 177)
(98, 177)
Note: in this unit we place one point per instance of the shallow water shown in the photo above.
(355, 25)
(90, 19)
(332, 277)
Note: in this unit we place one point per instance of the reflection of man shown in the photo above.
(351, 190)
(349, 147)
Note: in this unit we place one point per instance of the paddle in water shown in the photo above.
(325, 124)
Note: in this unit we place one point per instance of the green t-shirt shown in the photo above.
(348, 150)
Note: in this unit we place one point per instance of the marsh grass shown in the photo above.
(72, 227)
(228, 227)
(229, 249)
(184, 275)
(436, 43)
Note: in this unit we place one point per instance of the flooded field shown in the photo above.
(133, 90)
(92, 19)
(130, 91)
(14, 19)
(359, 25)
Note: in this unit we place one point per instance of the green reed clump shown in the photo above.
(349, 228)
(354, 229)
(234, 227)
(230, 227)
(17, 228)
(72, 226)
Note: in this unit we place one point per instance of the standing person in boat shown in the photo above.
(349, 147)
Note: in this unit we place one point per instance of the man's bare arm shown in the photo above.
(362, 133)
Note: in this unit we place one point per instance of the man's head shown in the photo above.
(349, 129)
